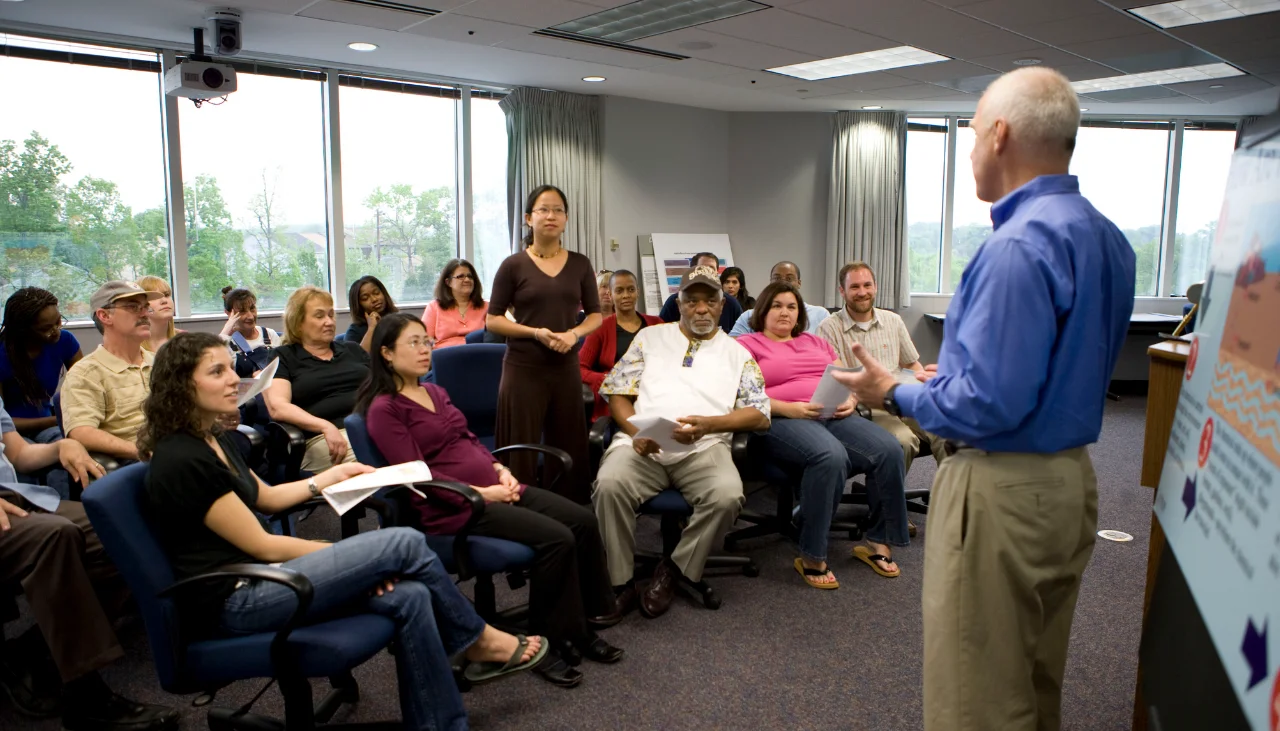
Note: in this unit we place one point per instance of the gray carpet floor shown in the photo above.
(777, 654)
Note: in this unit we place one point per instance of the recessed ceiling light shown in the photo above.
(1191, 12)
(860, 63)
(1027, 62)
(1084, 109)
(1215, 86)
(644, 18)
(594, 79)
(362, 46)
(1157, 78)
(873, 106)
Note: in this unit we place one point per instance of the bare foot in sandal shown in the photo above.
(879, 557)
(824, 578)
(495, 645)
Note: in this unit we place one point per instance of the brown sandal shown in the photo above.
(864, 554)
(806, 573)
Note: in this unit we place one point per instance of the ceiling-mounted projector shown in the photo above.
(198, 77)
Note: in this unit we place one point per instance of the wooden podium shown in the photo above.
(1168, 367)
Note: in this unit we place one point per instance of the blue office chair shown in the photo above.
(462, 553)
(475, 337)
(290, 656)
(471, 374)
(672, 510)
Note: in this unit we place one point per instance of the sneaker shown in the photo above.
(113, 712)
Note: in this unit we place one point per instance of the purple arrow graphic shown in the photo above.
(1255, 653)
(1189, 495)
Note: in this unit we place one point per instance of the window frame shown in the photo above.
(331, 78)
(1172, 176)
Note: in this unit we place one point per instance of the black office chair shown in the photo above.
(673, 510)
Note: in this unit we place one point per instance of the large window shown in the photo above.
(398, 183)
(82, 186)
(1124, 170)
(489, 186)
(1206, 160)
(925, 188)
(254, 188)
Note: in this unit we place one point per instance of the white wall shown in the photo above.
(779, 177)
(665, 170)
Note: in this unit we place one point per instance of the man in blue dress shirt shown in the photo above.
(1032, 335)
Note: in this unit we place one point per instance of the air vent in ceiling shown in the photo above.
(550, 33)
(389, 5)
(645, 18)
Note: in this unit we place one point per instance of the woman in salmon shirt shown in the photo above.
(569, 593)
(459, 306)
(607, 344)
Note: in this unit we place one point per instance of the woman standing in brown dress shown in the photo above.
(540, 397)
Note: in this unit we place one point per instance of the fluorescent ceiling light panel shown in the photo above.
(860, 63)
(1158, 78)
(645, 18)
(1191, 12)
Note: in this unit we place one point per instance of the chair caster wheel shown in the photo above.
(711, 600)
(751, 570)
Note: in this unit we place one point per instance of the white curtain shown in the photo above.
(554, 138)
(866, 218)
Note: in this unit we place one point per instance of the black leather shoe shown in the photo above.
(558, 672)
(609, 619)
(657, 596)
(569, 653)
(626, 600)
(32, 694)
(598, 650)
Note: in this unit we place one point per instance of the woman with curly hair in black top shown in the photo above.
(200, 499)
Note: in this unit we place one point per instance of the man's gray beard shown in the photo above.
(694, 328)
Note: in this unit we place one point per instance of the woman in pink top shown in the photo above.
(827, 451)
(459, 306)
(569, 595)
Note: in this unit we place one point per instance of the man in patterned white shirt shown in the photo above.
(884, 334)
(700, 378)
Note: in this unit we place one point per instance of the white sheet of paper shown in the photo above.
(349, 493)
(659, 430)
(906, 375)
(830, 393)
(257, 385)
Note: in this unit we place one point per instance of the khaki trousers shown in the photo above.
(707, 479)
(316, 458)
(909, 435)
(1008, 538)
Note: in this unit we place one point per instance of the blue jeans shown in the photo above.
(829, 452)
(433, 620)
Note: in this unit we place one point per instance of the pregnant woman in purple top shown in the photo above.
(411, 421)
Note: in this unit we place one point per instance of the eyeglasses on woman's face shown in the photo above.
(549, 212)
(464, 277)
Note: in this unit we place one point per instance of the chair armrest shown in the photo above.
(256, 440)
(461, 549)
(599, 434)
(106, 461)
(286, 445)
(566, 462)
(738, 448)
(299, 584)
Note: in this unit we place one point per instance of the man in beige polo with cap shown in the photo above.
(103, 393)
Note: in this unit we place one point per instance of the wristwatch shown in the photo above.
(890, 403)
(313, 487)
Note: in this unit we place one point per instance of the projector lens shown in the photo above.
(212, 78)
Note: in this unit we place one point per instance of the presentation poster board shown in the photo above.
(672, 251)
(1219, 495)
(652, 287)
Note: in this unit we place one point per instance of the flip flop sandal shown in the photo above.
(865, 555)
(806, 573)
(483, 672)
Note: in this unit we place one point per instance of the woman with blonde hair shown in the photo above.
(161, 316)
(315, 384)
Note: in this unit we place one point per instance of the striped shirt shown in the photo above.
(887, 338)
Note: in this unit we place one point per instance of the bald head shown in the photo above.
(1025, 126)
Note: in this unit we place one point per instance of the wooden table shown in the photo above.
(1168, 366)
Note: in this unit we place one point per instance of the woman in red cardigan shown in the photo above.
(610, 341)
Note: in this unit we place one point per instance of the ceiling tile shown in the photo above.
(1050, 57)
(1264, 66)
(981, 43)
(694, 68)
(910, 22)
(540, 14)
(762, 79)
(606, 4)
(942, 71)
(797, 32)
(804, 90)
(725, 49)
(461, 29)
(1083, 28)
(544, 46)
(362, 15)
(1223, 33)
(869, 82)
(1133, 95)
(907, 93)
(1235, 83)
(1011, 13)
(1084, 70)
(284, 7)
(1147, 52)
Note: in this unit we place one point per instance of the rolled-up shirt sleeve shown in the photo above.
(1003, 344)
(624, 379)
(751, 389)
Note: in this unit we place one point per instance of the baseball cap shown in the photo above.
(114, 290)
(700, 275)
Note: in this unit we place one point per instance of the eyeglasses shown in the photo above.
(467, 277)
(550, 211)
(417, 343)
(133, 307)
